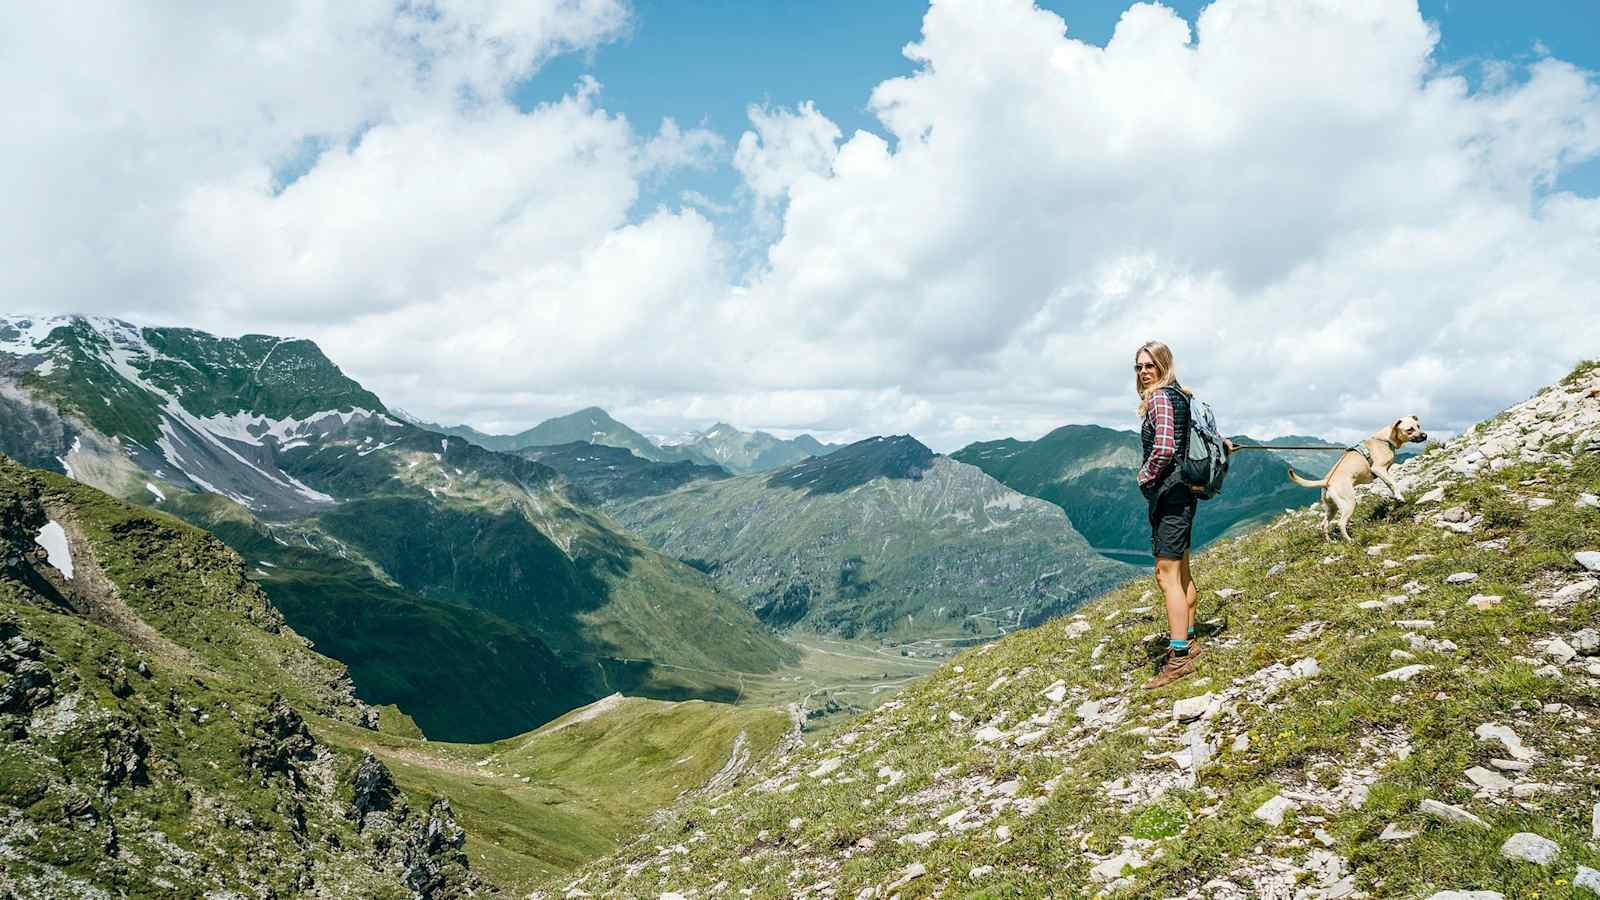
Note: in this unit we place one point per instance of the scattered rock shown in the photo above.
(1508, 739)
(1484, 601)
(920, 839)
(1434, 496)
(1587, 500)
(1078, 628)
(1586, 642)
(1404, 673)
(1488, 780)
(1306, 668)
(828, 767)
(1113, 868)
(988, 734)
(1276, 570)
(1273, 811)
(1462, 578)
(1575, 590)
(1225, 593)
(1468, 895)
(1192, 707)
(1393, 832)
(1588, 879)
(1560, 651)
(1444, 812)
(1530, 847)
(1057, 692)
(912, 873)
(1589, 559)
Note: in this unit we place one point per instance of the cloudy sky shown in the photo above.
(954, 220)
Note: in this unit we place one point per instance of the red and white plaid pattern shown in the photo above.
(1165, 447)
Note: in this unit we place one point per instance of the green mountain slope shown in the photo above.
(1389, 718)
(1089, 471)
(400, 526)
(166, 734)
(612, 474)
(151, 702)
(882, 538)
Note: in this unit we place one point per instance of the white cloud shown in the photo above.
(785, 148)
(1329, 227)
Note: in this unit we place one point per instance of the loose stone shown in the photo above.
(1530, 847)
(1272, 811)
(1447, 813)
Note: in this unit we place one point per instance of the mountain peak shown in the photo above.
(895, 456)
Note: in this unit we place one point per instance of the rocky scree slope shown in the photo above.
(1415, 714)
(881, 538)
(152, 731)
(1089, 471)
(372, 534)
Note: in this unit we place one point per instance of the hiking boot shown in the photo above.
(1176, 667)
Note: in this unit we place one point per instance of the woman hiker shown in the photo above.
(1164, 407)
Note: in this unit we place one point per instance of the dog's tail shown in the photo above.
(1295, 477)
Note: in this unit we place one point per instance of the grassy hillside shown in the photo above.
(151, 707)
(1376, 719)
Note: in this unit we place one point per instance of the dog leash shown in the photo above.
(1285, 447)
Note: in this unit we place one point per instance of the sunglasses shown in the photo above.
(1140, 367)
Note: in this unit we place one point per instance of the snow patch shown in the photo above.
(155, 490)
(53, 538)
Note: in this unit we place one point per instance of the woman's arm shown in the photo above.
(1166, 441)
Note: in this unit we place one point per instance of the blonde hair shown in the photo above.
(1166, 374)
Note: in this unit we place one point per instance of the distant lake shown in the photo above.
(1141, 558)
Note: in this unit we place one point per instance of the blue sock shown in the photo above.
(1178, 648)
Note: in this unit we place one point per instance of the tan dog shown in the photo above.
(1339, 485)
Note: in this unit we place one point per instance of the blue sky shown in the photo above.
(703, 62)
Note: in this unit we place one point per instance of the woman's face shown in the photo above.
(1146, 368)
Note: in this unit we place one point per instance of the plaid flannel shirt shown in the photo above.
(1165, 448)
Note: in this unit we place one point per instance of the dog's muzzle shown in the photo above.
(1420, 438)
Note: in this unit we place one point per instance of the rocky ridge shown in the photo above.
(1416, 714)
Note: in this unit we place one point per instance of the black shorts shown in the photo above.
(1172, 522)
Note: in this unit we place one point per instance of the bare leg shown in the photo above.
(1169, 577)
(1189, 592)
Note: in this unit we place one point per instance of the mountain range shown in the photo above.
(883, 538)
(720, 445)
(376, 538)
(1088, 471)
